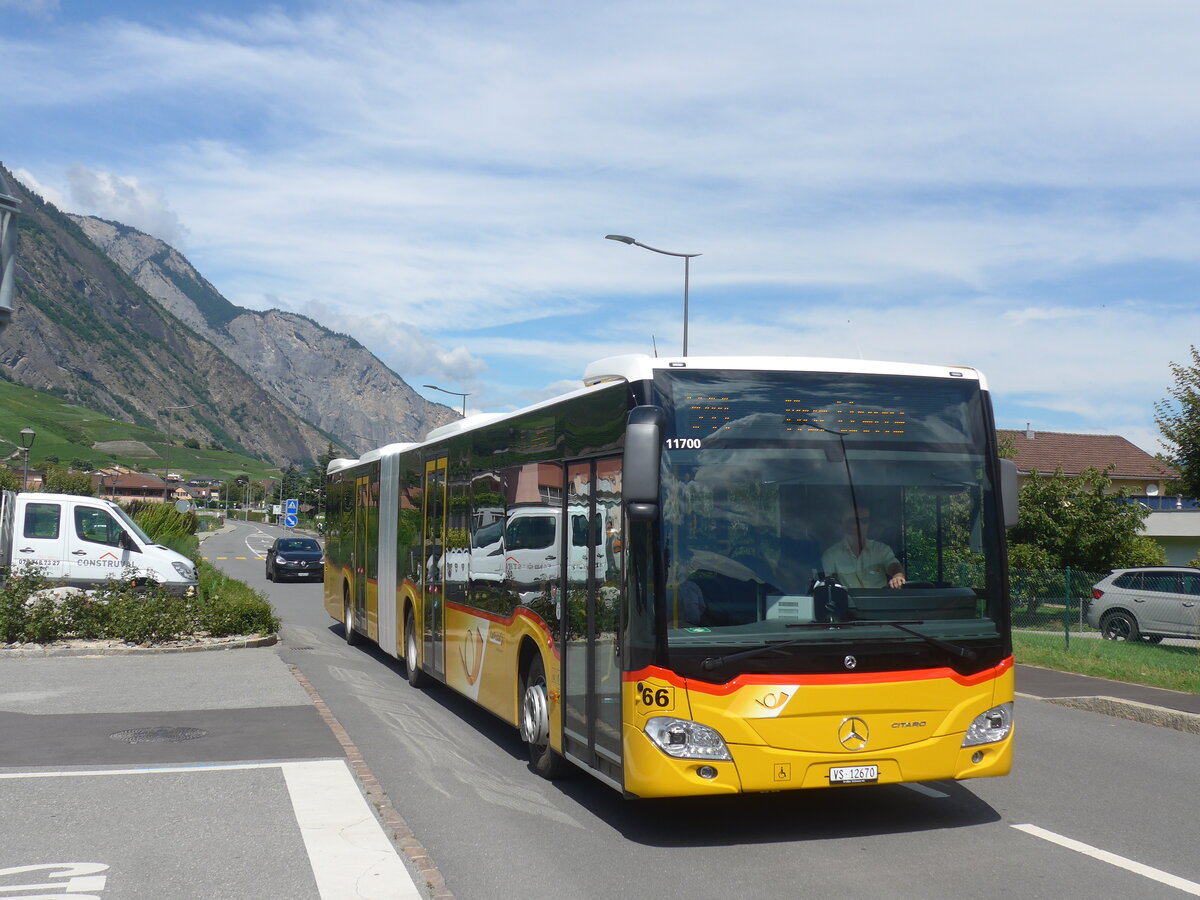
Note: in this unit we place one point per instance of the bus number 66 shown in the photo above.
(657, 697)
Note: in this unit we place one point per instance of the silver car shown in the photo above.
(1147, 604)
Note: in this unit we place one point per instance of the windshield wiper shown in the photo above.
(712, 662)
(964, 652)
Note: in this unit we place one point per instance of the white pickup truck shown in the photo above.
(83, 541)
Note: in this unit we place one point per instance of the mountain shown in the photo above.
(84, 330)
(324, 377)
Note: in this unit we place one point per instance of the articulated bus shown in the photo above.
(634, 574)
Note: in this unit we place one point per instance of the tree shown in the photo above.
(315, 476)
(1178, 418)
(62, 481)
(1080, 522)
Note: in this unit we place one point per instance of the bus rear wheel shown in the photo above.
(348, 618)
(535, 722)
(416, 677)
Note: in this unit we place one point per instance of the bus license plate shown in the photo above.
(853, 774)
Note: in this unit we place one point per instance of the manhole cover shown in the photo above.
(160, 735)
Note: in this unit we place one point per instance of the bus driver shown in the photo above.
(860, 562)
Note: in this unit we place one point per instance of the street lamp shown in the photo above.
(687, 259)
(167, 453)
(434, 387)
(8, 251)
(27, 436)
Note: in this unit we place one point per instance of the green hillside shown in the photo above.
(68, 432)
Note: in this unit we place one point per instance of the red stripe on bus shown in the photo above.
(833, 678)
(521, 612)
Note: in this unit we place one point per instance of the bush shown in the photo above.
(226, 606)
(161, 520)
(151, 616)
(128, 609)
(16, 597)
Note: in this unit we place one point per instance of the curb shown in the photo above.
(415, 855)
(129, 650)
(1134, 711)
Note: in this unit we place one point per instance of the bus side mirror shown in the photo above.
(643, 456)
(1008, 492)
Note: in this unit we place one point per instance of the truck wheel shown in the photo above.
(416, 677)
(535, 722)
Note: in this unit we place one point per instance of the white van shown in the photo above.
(84, 541)
(522, 549)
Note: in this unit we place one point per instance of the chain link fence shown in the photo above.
(1052, 600)
(1142, 606)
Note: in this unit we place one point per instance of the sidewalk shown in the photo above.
(1153, 706)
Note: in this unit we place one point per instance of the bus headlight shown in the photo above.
(685, 739)
(990, 727)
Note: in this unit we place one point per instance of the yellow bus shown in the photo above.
(701, 576)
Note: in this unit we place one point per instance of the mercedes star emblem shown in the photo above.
(853, 733)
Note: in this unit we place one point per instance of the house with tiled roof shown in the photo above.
(1174, 520)
(1128, 466)
(121, 484)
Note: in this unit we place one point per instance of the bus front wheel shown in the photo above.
(535, 722)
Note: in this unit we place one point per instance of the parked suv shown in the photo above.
(1147, 604)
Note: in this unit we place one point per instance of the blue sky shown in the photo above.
(1009, 186)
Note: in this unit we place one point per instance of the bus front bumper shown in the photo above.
(649, 772)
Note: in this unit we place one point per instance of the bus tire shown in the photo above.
(535, 722)
(416, 677)
(348, 618)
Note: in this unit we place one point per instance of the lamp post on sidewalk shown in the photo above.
(27, 436)
(169, 410)
(434, 387)
(687, 259)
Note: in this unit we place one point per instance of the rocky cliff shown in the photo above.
(325, 377)
(85, 329)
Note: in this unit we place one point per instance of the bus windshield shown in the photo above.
(811, 519)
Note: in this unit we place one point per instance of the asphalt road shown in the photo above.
(1096, 806)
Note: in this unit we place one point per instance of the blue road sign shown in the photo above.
(289, 521)
(291, 506)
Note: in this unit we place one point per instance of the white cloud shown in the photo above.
(41, 9)
(902, 181)
(45, 191)
(404, 349)
(126, 200)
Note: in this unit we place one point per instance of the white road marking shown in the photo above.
(1182, 884)
(350, 855)
(924, 789)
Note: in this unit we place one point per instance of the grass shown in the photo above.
(1174, 668)
(68, 432)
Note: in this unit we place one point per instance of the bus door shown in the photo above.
(362, 542)
(592, 573)
(433, 574)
